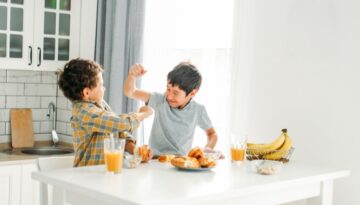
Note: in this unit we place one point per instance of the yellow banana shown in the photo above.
(282, 151)
(260, 149)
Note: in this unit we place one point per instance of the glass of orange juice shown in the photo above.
(238, 148)
(114, 154)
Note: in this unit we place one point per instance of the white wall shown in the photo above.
(303, 62)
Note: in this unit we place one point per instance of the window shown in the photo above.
(196, 31)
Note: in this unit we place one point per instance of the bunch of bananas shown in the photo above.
(276, 150)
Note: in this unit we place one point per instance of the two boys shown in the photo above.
(176, 114)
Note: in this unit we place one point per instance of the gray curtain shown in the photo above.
(119, 41)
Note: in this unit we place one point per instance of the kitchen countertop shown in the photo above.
(10, 156)
(159, 183)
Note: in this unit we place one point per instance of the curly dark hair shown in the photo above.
(77, 75)
(186, 76)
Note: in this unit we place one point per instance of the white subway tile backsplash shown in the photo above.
(2, 128)
(12, 88)
(42, 137)
(46, 100)
(46, 126)
(60, 92)
(61, 127)
(39, 115)
(69, 107)
(69, 130)
(48, 77)
(62, 103)
(3, 76)
(22, 76)
(40, 89)
(65, 138)
(4, 138)
(2, 101)
(64, 115)
(7, 128)
(22, 102)
(35, 90)
(37, 126)
(4, 115)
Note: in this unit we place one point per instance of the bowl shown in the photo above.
(213, 154)
(266, 167)
(131, 161)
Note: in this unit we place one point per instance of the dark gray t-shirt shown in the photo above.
(173, 129)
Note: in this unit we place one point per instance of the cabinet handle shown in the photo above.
(39, 55)
(30, 55)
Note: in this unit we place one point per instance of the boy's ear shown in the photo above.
(193, 92)
(86, 93)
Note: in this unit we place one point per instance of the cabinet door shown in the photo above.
(30, 189)
(57, 32)
(16, 34)
(10, 184)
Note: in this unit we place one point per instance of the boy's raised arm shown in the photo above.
(130, 88)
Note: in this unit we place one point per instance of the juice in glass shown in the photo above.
(238, 147)
(113, 161)
(237, 154)
(113, 154)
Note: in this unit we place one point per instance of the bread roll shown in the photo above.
(144, 152)
(207, 162)
(185, 162)
(196, 152)
(166, 157)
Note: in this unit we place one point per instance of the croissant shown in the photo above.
(185, 162)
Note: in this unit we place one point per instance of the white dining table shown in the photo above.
(162, 184)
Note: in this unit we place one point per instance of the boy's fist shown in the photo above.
(137, 70)
(146, 110)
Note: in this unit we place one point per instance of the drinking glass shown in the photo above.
(114, 154)
(238, 148)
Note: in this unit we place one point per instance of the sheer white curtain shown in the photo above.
(242, 60)
(197, 31)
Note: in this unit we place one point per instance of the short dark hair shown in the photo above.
(186, 76)
(77, 75)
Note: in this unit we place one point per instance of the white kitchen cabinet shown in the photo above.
(10, 184)
(16, 185)
(30, 189)
(41, 34)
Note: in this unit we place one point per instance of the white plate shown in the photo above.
(194, 169)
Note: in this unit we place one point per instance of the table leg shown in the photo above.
(326, 194)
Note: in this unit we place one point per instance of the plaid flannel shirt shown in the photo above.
(92, 123)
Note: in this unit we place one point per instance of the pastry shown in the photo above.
(196, 152)
(166, 157)
(207, 162)
(144, 152)
(185, 162)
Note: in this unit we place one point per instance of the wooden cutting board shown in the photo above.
(21, 128)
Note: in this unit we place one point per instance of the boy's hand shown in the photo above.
(146, 110)
(136, 70)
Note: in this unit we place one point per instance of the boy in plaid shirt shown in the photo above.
(92, 119)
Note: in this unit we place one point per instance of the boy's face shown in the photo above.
(97, 93)
(176, 97)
